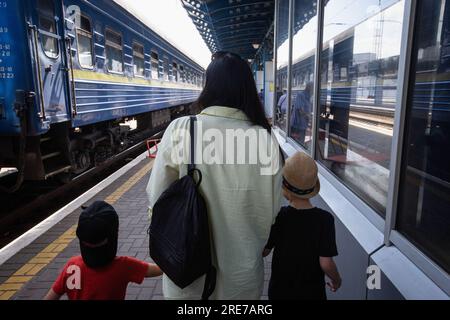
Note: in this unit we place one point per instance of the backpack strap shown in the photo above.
(211, 275)
(210, 283)
(191, 166)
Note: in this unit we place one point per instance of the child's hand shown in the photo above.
(266, 252)
(334, 285)
(153, 271)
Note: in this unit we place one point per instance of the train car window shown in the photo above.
(155, 65)
(166, 69)
(84, 40)
(138, 60)
(175, 72)
(424, 199)
(188, 76)
(182, 74)
(114, 51)
(360, 62)
(47, 24)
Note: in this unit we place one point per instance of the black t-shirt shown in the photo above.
(300, 237)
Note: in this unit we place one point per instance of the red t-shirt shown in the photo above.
(80, 282)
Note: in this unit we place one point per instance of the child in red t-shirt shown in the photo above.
(98, 274)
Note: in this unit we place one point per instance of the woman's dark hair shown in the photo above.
(230, 83)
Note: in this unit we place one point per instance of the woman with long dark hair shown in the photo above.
(240, 162)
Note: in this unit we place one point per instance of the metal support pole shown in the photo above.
(317, 80)
(399, 118)
(290, 22)
(275, 62)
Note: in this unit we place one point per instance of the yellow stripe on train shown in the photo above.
(97, 76)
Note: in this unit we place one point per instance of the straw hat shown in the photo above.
(300, 176)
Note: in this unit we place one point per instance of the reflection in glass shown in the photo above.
(424, 204)
(114, 56)
(85, 51)
(155, 65)
(84, 38)
(303, 70)
(282, 47)
(139, 60)
(49, 43)
(359, 72)
(166, 69)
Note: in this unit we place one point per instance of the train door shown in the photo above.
(49, 59)
(48, 154)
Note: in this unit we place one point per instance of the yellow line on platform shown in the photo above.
(30, 269)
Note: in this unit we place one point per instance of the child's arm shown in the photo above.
(153, 271)
(274, 233)
(270, 243)
(330, 269)
(52, 295)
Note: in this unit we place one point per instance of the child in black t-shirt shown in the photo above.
(303, 237)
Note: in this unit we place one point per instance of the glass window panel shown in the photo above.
(113, 48)
(182, 74)
(166, 69)
(188, 76)
(46, 7)
(282, 47)
(84, 38)
(138, 59)
(303, 70)
(424, 215)
(85, 24)
(49, 44)
(175, 72)
(85, 51)
(155, 65)
(359, 73)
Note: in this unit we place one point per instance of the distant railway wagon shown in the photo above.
(364, 82)
(72, 73)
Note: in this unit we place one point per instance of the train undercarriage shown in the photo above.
(65, 152)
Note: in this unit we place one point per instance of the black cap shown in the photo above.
(97, 230)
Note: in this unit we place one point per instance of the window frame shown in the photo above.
(91, 36)
(109, 29)
(152, 60)
(391, 234)
(175, 71)
(182, 73)
(166, 68)
(135, 42)
(43, 14)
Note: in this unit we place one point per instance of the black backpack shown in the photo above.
(180, 241)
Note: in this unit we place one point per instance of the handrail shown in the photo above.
(37, 62)
(72, 79)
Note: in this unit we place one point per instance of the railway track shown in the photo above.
(35, 202)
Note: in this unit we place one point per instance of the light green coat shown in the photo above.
(242, 203)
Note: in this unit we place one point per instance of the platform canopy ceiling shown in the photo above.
(304, 11)
(240, 26)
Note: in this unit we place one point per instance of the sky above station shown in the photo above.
(170, 20)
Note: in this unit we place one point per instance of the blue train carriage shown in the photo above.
(71, 73)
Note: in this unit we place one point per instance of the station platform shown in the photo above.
(30, 265)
